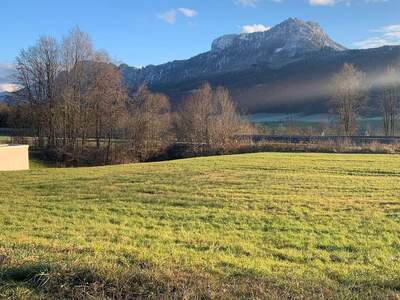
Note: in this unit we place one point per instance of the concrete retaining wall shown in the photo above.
(14, 157)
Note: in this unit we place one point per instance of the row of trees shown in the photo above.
(70, 91)
(75, 102)
(350, 94)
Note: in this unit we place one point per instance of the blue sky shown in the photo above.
(142, 32)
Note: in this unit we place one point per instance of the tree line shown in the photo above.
(350, 93)
(77, 107)
(75, 102)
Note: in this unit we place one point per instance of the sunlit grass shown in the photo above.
(5, 140)
(257, 225)
(35, 164)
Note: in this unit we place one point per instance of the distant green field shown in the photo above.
(278, 120)
(371, 125)
(246, 226)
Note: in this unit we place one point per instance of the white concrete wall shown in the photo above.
(14, 157)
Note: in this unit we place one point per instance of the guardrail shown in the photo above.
(359, 140)
(293, 139)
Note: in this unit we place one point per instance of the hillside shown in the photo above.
(285, 69)
(285, 43)
(257, 225)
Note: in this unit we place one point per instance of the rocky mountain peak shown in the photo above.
(299, 33)
(223, 42)
(293, 35)
(290, 41)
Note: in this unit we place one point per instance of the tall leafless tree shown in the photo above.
(194, 118)
(74, 93)
(106, 96)
(148, 123)
(37, 71)
(226, 122)
(349, 94)
(390, 102)
(77, 51)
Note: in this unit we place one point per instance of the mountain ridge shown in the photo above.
(285, 69)
(284, 43)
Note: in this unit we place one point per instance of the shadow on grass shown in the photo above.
(25, 273)
(45, 281)
(49, 282)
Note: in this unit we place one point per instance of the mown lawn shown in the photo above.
(246, 226)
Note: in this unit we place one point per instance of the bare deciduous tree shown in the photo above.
(349, 95)
(77, 51)
(390, 101)
(194, 118)
(74, 99)
(106, 96)
(73, 93)
(148, 123)
(208, 120)
(37, 71)
(226, 122)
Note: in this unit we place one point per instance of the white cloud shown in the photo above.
(334, 2)
(6, 72)
(187, 12)
(253, 3)
(328, 2)
(322, 2)
(387, 35)
(254, 28)
(170, 16)
(391, 30)
(9, 87)
(246, 3)
(6, 69)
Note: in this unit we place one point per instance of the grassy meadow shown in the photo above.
(261, 225)
(302, 121)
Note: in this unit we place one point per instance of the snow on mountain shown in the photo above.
(223, 42)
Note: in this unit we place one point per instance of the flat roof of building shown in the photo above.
(12, 146)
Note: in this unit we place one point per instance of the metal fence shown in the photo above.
(293, 139)
(358, 140)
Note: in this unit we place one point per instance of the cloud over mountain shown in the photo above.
(255, 28)
(171, 15)
(6, 78)
(387, 35)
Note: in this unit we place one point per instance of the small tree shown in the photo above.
(390, 100)
(208, 120)
(348, 97)
(194, 118)
(225, 122)
(148, 123)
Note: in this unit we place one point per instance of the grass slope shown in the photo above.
(245, 226)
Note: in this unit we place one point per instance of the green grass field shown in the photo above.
(245, 226)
